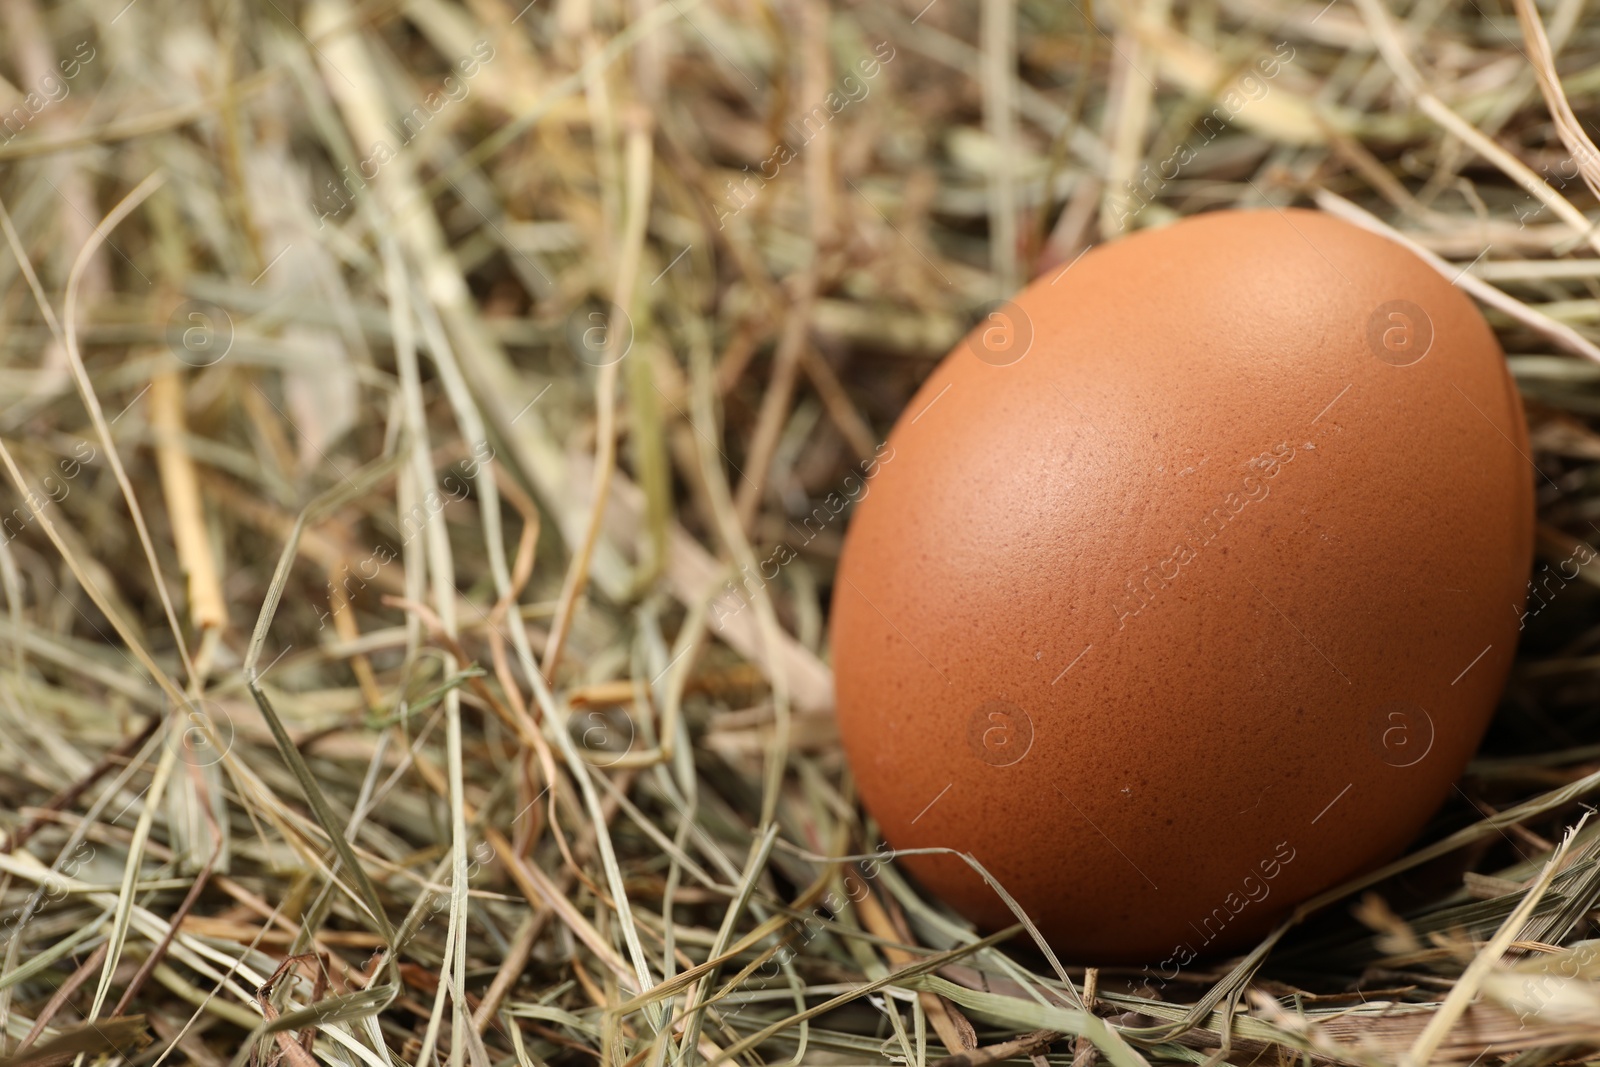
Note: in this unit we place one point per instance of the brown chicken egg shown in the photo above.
(1186, 585)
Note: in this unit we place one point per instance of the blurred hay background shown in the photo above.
(404, 406)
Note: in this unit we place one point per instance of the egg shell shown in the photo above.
(1186, 586)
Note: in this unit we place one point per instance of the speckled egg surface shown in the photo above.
(1187, 584)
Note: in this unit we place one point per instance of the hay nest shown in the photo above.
(368, 364)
